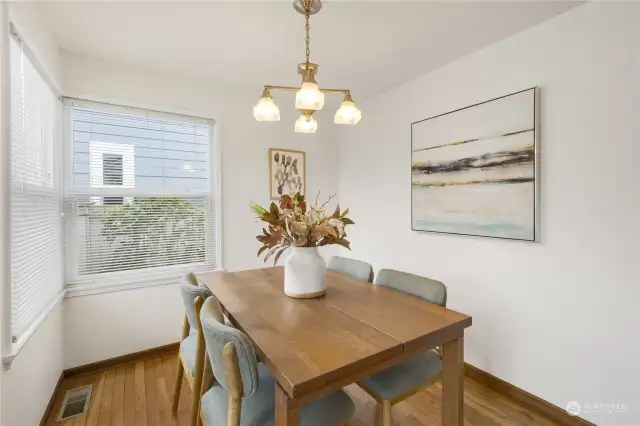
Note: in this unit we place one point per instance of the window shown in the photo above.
(140, 197)
(107, 162)
(37, 280)
(112, 169)
(112, 175)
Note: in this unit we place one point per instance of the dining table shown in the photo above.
(314, 347)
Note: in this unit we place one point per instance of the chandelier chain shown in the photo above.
(307, 38)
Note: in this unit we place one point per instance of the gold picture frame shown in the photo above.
(287, 172)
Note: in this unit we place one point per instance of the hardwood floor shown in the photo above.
(139, 394)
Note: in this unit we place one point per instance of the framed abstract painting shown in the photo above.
(287, 172)
(474, 171)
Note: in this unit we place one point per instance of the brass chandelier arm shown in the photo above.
(282, 88)
(295, 89)
(340, 91)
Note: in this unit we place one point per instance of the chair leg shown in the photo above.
(177, 387)
(386, 413)
(195, 404)
(199, 423)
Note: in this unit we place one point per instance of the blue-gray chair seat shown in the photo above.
(352, 267)
(190, 290)
(188, 349)
(188, 352)
(259, 409)
(425, 288)
(402, 378)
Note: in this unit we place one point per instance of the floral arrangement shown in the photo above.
(292, 223)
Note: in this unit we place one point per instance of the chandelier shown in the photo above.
(309, 98)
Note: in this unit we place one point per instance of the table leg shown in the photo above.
(286, 415)
(453, 383)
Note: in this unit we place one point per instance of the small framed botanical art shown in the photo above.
(287, 172)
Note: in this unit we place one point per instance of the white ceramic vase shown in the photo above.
(304, 273)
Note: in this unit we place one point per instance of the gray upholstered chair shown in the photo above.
(241, 391)
(351, 267)
(403, 380)
(191, 354)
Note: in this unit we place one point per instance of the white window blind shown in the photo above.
(37, 280)
(140, 197)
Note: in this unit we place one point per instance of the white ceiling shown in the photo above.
(364, 46)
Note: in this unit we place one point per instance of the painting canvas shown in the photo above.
(286, 172)
(473, 171)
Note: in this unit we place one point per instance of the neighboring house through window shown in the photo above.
(112, 175)
(140, 197)
(111, 165)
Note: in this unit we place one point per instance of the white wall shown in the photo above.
(5, 188)
(29, 384)
(559, 318)
(35, 30)
(104, 326)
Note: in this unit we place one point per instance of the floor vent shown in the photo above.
(76, 402)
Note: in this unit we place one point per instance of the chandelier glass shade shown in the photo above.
(266, 109)
(309, 97)
(347, 113)
(306, 124)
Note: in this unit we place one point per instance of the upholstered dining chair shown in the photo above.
(352, 267)
(399, 382)
(239, 391)
(191, 353)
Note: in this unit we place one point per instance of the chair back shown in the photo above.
(190, 290)
(425, 288)
(354, 268)
(216, 336)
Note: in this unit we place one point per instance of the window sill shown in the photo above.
(76, 290)
(16, 347)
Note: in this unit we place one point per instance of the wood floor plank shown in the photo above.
(58, 403)
(511, 407)
(96, 400)
(89, 379)
(164, 402)
(480, 408)
(107, 399)
(117, 413)
(184, 405)
(141, 395)
(475, 413)
(68, 384)
(129, 403)
(420, 409)
(169, 377)
(153, 419)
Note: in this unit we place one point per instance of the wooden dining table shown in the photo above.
(316, 346)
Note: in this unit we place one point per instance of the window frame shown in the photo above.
(11, 346)
(156, 276)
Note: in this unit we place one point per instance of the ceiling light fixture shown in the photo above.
(309, 97)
